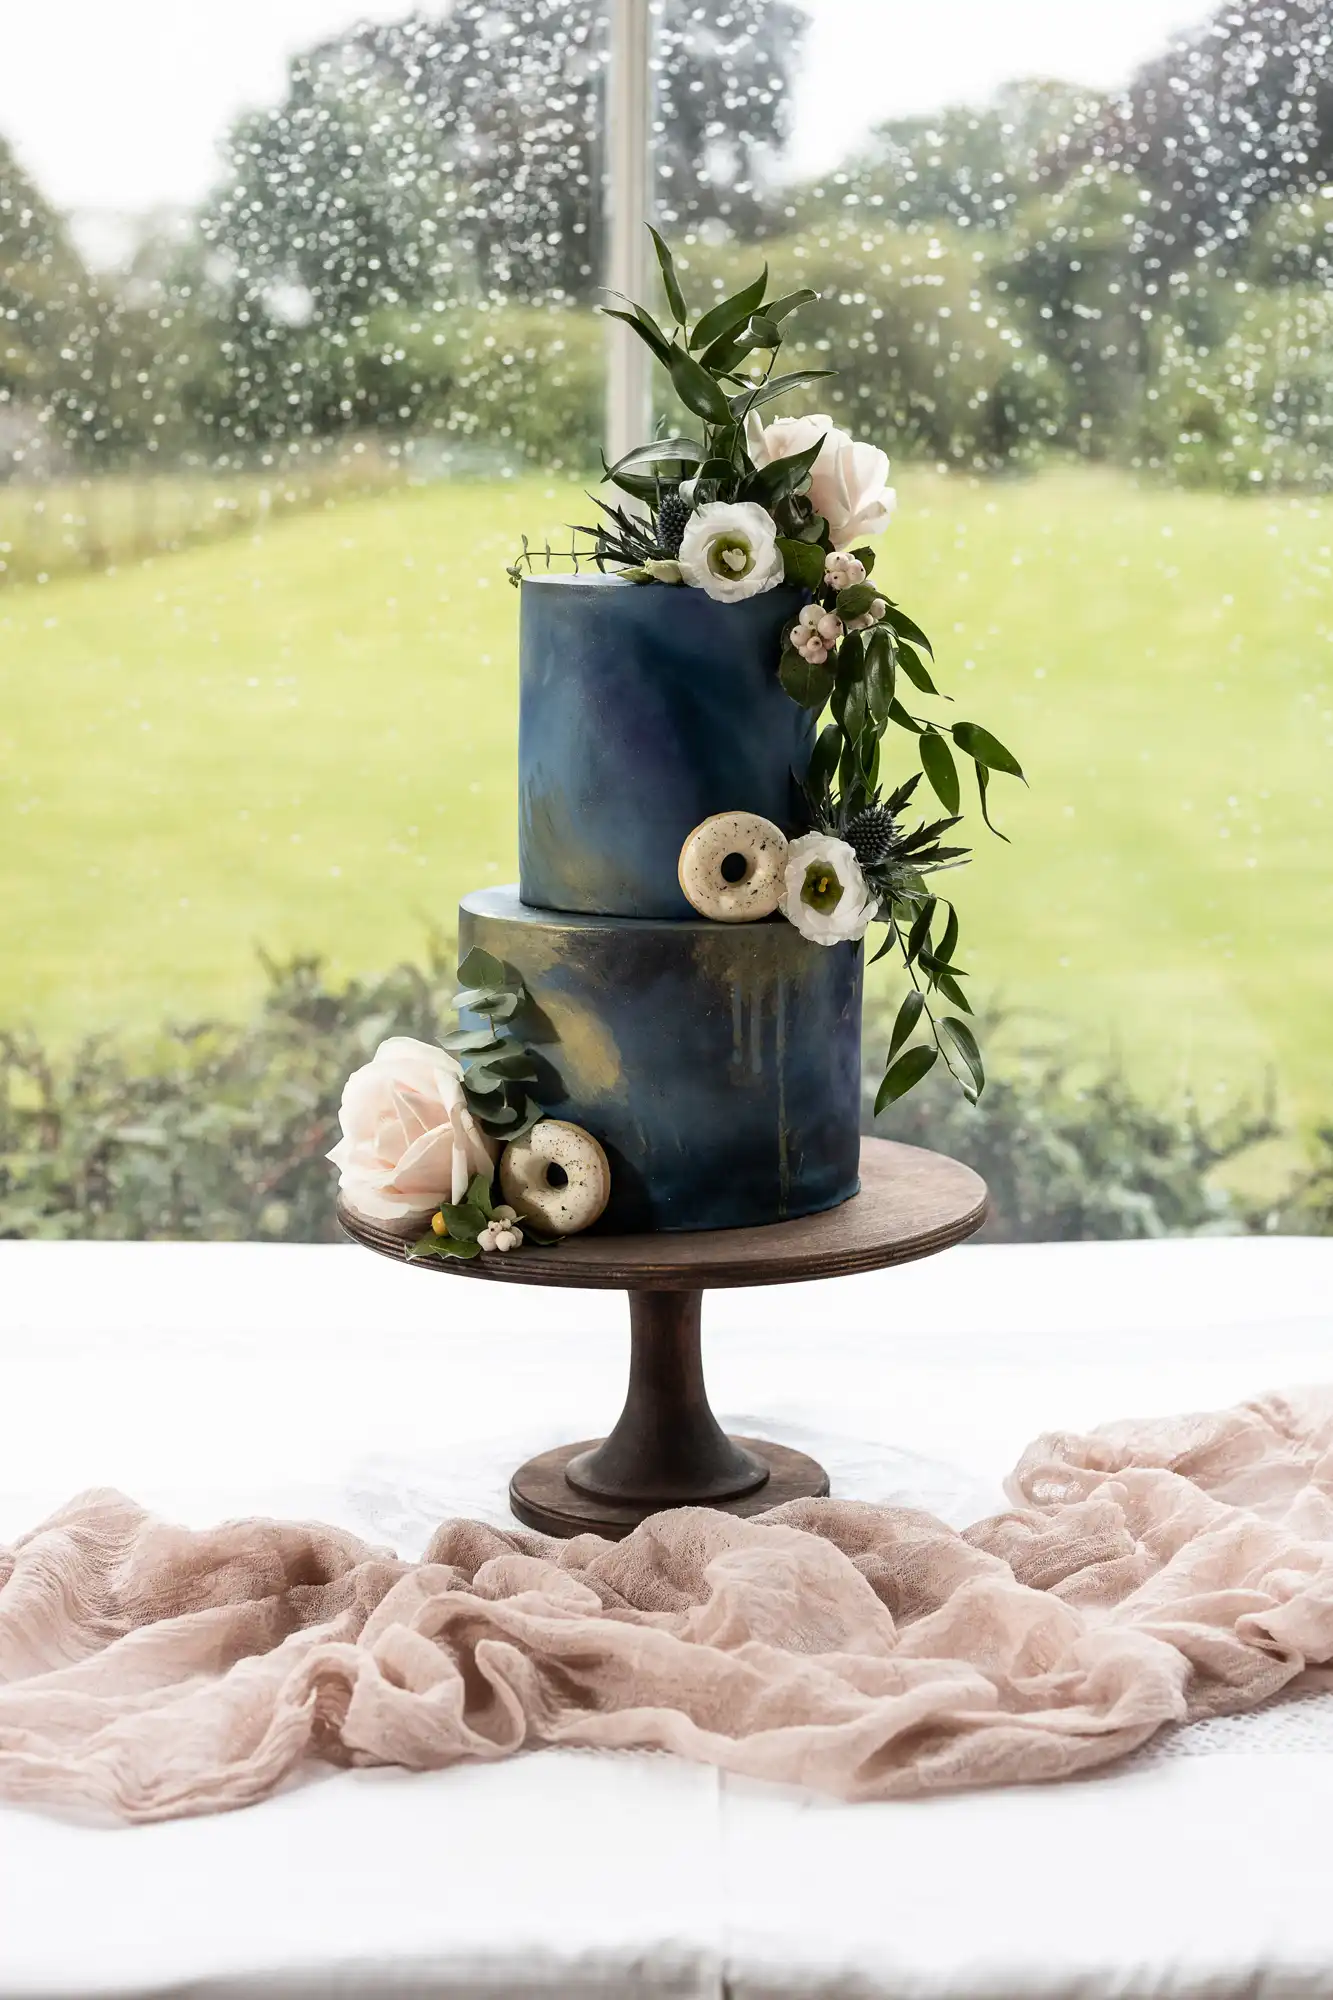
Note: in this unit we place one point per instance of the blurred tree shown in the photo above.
(1231, 117)
(1251, 404)
(972, 166)
(723, 113)
(454, 160)
(90, 368)
(930, 362)
(459, 156)
(1074, 272)
(47, 320)
(1292, 242)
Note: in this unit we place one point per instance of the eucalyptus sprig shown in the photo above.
(496, 1064)
(911, 929)
(859, 683)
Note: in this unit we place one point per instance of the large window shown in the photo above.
(297, 338)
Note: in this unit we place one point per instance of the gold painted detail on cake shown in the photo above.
(749, 1006)
(586, 1055)
(578, 1043)
(548, 827)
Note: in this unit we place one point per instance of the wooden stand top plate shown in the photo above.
(912, 1204)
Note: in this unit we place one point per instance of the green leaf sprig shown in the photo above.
(710, 361)
(858, 685)
(459, 1224)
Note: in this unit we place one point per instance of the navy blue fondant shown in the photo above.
(644, 709)
(719, 1064)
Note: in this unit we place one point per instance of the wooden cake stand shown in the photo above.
(668, 1449)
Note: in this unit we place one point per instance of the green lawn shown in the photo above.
(306, 741)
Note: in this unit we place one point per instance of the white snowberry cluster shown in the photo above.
(502, 1231)
(817, 631)
(843, 569)
(868, 618)
(815, 634)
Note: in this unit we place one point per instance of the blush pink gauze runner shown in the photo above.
(1148, 1573)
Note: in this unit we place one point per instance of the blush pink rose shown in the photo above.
(408, 1141)
(849, 481)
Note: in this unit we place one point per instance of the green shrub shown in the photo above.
(1292, 242)
(494, 387)
(519, 384)
(1071, 273)
(1253, 407)
(931, 363)
(1306, 1209)
(1067, 1161)
(218, 1131)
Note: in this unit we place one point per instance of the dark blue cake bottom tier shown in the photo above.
(718, 1064)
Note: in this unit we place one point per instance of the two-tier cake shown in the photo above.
(718, 1063)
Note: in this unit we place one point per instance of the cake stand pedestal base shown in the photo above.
(542, 1495)
(668, 1449)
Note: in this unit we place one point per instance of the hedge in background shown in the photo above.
(219, 1131)
(1067, 1161)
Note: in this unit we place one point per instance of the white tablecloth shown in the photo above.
(220, 1379)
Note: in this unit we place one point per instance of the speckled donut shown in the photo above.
(756, 893)
(578, 1199)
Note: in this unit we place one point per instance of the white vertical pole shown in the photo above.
(628, 361)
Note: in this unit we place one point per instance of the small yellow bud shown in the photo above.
(438, 1224)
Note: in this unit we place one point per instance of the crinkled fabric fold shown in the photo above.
(1148, 1573)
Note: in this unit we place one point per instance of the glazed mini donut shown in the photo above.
(734, 895)
(556, 1176)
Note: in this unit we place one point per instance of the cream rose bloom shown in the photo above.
(409, 1141)
(849, 482)
(730, 549)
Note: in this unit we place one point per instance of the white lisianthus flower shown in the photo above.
(849, 481)
(408, 1140)
(730, 549)
(824, 892)
(502, 1231)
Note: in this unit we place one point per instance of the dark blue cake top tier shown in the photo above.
(644, 709)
